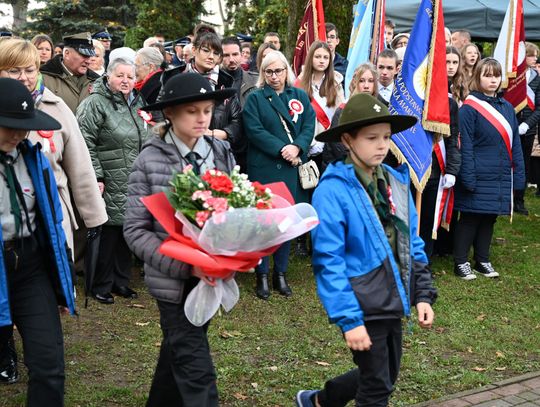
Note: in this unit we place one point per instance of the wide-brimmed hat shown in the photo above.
(17, 109)
(188, 87)
(363, 110)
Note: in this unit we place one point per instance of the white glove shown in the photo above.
(523, 128)
(449, 181)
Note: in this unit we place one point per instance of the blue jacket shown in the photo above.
(485, 178)
(340, 65)
(357, 276)
(50, 219)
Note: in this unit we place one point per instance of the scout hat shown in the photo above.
(363, 110)
(188, 87)
(17, 109)
(82, 43)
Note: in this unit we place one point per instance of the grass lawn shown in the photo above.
(265, 351)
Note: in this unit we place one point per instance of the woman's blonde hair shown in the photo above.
(18, 53)
(269, 59)
(358, 72)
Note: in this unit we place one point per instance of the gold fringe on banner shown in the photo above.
(418, 183)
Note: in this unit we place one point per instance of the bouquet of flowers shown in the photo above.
(224, 223)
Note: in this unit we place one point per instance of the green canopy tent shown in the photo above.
(482, 18)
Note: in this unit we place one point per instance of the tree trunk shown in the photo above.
(224, 17)
(296, 11)
(20, 10)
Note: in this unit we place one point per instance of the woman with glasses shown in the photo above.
(279, 123)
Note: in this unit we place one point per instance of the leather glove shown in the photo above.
(449, 181)
(523, 128)
(92, 233)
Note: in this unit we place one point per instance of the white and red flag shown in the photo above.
(510, 52)
(311, 29)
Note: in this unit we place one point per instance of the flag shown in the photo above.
(362, 46)
(510, 52)
(311, 29)
(421, 90)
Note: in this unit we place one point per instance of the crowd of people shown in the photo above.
(86, 131)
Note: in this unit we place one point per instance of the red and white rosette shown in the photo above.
(48, 143)
(146, 116)
(295, 108)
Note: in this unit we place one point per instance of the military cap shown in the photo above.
(102, 35)
(6, 34)
(244, 37)
(82, 43)
(182, 41)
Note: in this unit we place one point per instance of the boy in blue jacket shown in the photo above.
(368, 260)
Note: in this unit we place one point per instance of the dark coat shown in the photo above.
(152, 171)
(266, 136)
(485, 178)
(532, 117)
(451, 144)
(150, 89)
(340, 64)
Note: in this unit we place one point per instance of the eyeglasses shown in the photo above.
(269, 73)
(17, 72)
(208, 51)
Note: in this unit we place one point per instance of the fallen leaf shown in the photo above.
(479, 369)
(506, 320)
(481, 317)
(142, 323)
(273, 368)
(240, 396)
(255, 385)
(230, 334)
(157, 344)
(422, 342)
(322, 363)
(499, 354)
(136, 306)
(501, 369)
(469, 349)
(440, 330)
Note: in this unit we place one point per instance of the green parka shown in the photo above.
(114, 133)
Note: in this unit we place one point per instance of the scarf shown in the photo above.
(211, 75)
(37, 93)
(141, 83)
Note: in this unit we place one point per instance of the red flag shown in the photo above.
(510, 52)
(311, 29)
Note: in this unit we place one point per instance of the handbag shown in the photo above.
(308, 172)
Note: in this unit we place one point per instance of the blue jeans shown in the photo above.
(281, 260)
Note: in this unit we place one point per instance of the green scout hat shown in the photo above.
(363, 110)
(82, 43)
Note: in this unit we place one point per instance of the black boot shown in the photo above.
(519, 203)
(301, 246)
(280, 284)
(9, 373)
(262, 290)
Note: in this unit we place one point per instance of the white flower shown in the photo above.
(200, 185)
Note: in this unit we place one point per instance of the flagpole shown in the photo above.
(418, 208)
(375, 36)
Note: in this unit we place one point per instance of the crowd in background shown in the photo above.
(98, 95)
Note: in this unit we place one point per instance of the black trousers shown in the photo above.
(35, 312)
(429, 201)
(473, 229)
(185, 375)
(114, 262)
(372, 383)
(527, 142)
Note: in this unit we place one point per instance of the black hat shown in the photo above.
(17, 109)
(188, 87)
(102, 35)
(363, 110)
(82, 43)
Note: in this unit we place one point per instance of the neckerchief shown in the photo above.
(37, 93)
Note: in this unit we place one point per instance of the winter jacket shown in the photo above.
(358, 278)
(70, 88)
(244, 82)
(72, 168)
(151, 174)
(485, 179)
(114, 133)
(267, 136)
(49, 231)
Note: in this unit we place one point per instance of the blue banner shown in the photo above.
(361, 34)
(415, 145)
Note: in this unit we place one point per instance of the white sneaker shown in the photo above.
(464, 271)
(486, 269)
